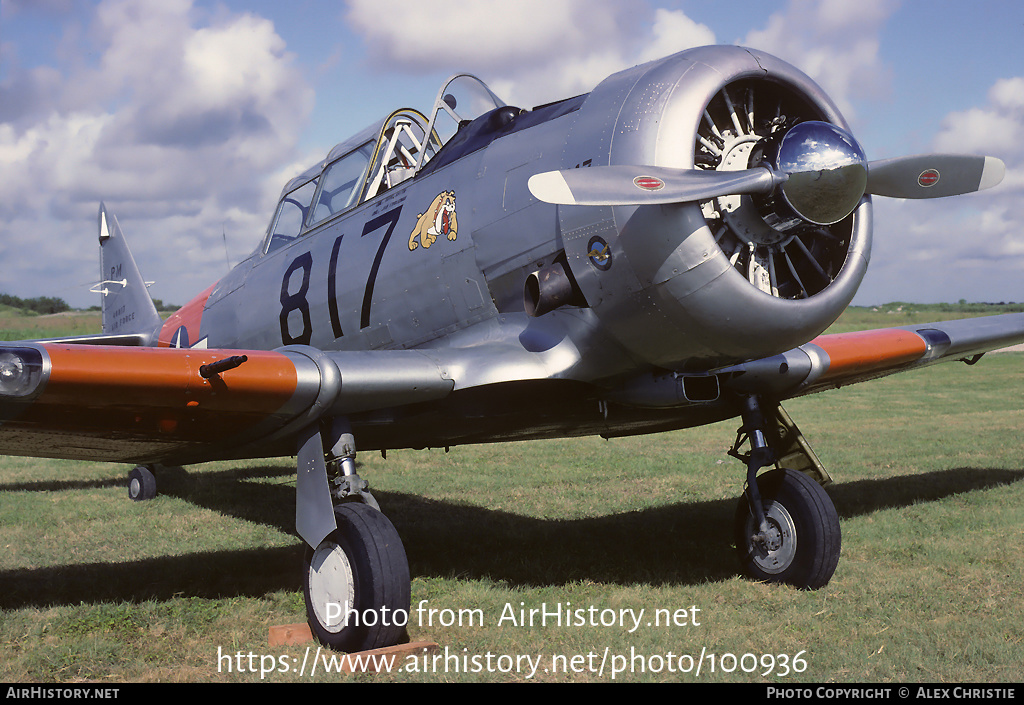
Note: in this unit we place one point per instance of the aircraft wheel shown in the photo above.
(803, 540)
(141, 484)
(357, 586)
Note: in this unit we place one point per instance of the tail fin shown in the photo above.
(127, 307)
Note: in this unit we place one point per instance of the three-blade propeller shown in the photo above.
(807, 175)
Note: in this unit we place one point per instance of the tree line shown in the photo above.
(40, 304)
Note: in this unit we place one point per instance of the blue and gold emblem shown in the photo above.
(599, 253)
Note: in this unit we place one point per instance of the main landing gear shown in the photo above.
(357, 582)
(786, 529)
(356, 576)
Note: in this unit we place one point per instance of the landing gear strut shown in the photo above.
(786, 529)
(356, 586)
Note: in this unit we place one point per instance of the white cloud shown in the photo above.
(1009, 93)
(673, 31)
(835, 42)
(432, 34)
(968, 246)
(996, 128)
(529, 52)
(175, 123)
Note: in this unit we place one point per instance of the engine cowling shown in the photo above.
(735, 277)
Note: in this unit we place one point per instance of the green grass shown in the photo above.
(928, 472)
(18, 324)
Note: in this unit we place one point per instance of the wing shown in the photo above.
(835, 360)
(141, 405)
(162, 405)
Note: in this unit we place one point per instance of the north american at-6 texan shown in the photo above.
(660, 253)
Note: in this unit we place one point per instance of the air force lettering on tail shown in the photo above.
(660, 253)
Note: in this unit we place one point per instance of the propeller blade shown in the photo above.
(644, 185)
(933, 175)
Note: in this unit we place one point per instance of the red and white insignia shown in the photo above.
(649, 183)
(928, 177)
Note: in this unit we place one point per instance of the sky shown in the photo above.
(188, 116)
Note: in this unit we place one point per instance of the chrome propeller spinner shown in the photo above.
(822, 169)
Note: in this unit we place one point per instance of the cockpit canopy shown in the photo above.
(376, 159)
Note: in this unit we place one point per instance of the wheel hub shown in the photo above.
(331, 586)
(772, 538)
(775, 549)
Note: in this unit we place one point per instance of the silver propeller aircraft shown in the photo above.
(660, 253)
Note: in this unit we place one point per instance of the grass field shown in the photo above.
(16, 324)
(928, 469)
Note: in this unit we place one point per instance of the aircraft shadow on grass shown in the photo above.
(683, 543)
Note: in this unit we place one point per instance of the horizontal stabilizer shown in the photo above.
(124, 339)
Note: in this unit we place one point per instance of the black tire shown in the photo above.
(356, 582)
(804, 527)
(141, 484)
